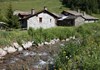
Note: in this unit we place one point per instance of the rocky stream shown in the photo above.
(33, 58)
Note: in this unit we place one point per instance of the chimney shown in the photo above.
(32, 11)
(84, 13)
(78, 11)
(45, 8)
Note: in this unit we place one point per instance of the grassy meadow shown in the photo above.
(82, 53)
(7, 37)
(41, 35)
(27, 5)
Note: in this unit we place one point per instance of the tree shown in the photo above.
(12, 21)
(1, 16)
(85, 5)
(16, 24)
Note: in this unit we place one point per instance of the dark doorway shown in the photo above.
(23, 23)
(66, 22)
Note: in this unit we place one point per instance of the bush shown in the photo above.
(83, 52)
(75, 55)
(8, 37)
(41, 35)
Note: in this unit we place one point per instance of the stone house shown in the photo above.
(43, 19)
(74, 18)
(70, 20)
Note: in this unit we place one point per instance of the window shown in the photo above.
(40, 19)
(50, 20)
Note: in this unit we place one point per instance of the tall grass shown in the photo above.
(83, 52)
(8, 37)
(38, 35)
(41, 35)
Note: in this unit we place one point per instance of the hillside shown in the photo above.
(82, 50)
(26, 5)
(58, 48)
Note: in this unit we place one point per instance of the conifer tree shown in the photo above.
(85, 5)
(12, 21)
(1, 17)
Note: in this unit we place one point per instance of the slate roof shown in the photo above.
(17, 12)
(71, 17)
(44, 11)
(27, 15)
(67, 17)
(88, 17)
(74, 13)
(84, 15)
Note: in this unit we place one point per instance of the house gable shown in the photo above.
(44, 11)
(42, 19)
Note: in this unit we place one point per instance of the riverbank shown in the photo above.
(13, 41)
(88, 36)
(24, 46)
(7, 38)
(34, 58)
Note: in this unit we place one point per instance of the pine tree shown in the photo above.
(9, 16)
(12, 21)
(1, 17)
(85, 5)
(16, 24)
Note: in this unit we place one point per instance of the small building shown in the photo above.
(89, 19)
(43, 19)
(70, 20)
(74, 18)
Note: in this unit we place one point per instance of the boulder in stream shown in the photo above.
(2, 52)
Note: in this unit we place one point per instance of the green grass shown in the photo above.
(8, 37)
(27, 5)
(55, 6)
(83, 52)
(96, 15)
(41, 35)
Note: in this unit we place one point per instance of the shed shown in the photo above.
(74, 18)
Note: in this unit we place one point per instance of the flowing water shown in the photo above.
(34, 58)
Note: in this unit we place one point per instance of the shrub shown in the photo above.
(8, 37)
(83, 52)
(41, 35)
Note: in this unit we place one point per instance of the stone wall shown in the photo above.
(17, 48)
(47, 21)
(79, 21)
